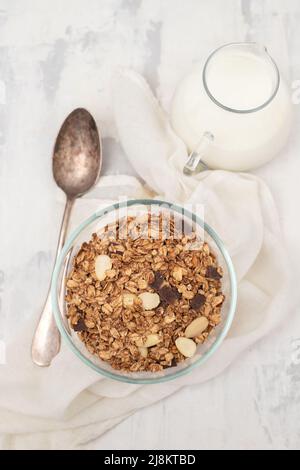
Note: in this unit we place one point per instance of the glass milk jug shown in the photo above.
(234, 113)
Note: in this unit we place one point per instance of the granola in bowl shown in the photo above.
(140, 300)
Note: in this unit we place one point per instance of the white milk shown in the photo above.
(243, 78)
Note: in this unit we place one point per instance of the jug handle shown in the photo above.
(195, 161)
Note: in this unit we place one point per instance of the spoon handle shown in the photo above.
(46, 340)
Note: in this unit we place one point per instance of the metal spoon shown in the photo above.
(77, 159)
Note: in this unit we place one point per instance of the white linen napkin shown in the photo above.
(68, 404)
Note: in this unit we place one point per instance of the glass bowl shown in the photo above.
(96, 223)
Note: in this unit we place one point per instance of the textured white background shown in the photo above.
(59, 54)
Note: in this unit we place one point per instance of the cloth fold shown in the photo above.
(68, 404)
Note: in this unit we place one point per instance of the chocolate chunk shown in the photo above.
(197, 301)
(169, 294)
(158, 280)
(80, 325)
(212, 273)
(174, 362)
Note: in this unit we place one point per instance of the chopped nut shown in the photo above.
(149, 300)
(129, 299)
(143, 351)
(151, 340)
(186, 346)
(103, 264)
(196, 327)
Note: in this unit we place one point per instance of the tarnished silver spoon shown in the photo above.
(77, 160)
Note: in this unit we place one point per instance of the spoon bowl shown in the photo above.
(77, 154)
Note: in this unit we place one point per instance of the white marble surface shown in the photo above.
(57, 55)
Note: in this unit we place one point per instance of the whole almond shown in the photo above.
(196, 327)
(103, 263)
(149, 300)
(186, 346)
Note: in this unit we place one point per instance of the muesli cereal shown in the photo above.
(142, 302)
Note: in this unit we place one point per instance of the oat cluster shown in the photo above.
(142, 302)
